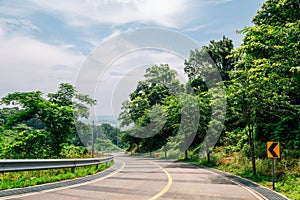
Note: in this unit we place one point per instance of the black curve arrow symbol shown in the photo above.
(271, 149)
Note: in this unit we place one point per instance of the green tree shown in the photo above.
(5, 113)
(183, 119)
(57, 113)
(277, 12)
(217, 52)
(111, 133)
(264, 89)
(144, 111)
(27, 144)
(68, 96)
(207, 68)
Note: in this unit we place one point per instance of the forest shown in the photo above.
(249, 94)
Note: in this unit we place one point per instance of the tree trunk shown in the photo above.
(150, 151)
(252, 149)
(253, 158)
(165, 153)
(186, 155)
(208, 156)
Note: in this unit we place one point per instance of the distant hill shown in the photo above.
(102, 119)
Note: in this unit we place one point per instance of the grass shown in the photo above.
(287, 170)
(11, 180)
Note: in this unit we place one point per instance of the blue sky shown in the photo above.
(45, 42)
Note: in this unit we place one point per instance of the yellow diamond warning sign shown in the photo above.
(273, 149)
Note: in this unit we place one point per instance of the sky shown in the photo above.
(44, 43)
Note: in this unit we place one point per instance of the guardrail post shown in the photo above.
(73, 168)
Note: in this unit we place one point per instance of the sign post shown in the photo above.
(273, 151)
(93, 139)
(273, 169)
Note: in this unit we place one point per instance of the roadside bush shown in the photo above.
(29, 144)
(73, 152)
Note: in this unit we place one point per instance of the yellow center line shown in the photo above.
(167, 187)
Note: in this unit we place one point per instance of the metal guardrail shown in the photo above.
(14, 165)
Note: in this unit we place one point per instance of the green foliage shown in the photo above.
(263, 92)
(162, 76)
(217, 52)
(185, 117)
(278, 12)
(52, 121)
(262, 82)
(106, 137)
(84, 132)
(7, 136)
(105, 145)
(145, 110)
(290, 186)
(207, 68)
(5, 113)
(27, 144)
(111, 133)
(71, 151)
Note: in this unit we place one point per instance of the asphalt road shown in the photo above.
(140, 178)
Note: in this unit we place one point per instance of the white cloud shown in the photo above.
(114, 68)
(18, 9)
(20, 25)
(90, 12)
(123, 75)
(196, 28)
(28, 64)
(2, 32)
(216, 2)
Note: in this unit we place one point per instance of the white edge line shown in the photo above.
(253, 192)
(70, 186)
(248, 188)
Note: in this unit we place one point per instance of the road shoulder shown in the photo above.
(62, 184)
(262, 191)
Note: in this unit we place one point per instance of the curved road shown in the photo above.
(140, 178)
